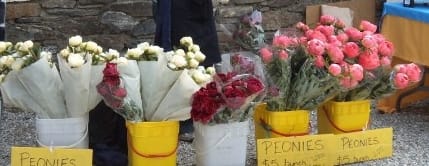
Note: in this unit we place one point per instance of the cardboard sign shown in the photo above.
(29, 156)
(304, 150)
(326, 149)
(363, 146)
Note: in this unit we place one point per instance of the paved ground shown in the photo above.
(411, 137)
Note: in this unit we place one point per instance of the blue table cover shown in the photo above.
(418, 12)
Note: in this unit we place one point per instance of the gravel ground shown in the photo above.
(410, 127)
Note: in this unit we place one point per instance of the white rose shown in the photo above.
(9, 61)
(112, 54)
(179, 61)
(190, 55)
(46, 54)
(134, 53)
(180, 52)
(154, 50)
(121, 61)
(99, 50)
(18, 45)
(187, 41)
(75, 41)
(26, 46)
(199, 56)
(17, 65)
(3, 46)
(75, 60)
(211, 70)
(2, 76)
(91, 46)
(3, 61)
(193, 63)
(143, 45)
(172, 66)
(199, 77)
(8, 44)
(64, 52)
(194, 48)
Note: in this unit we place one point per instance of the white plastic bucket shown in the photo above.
(221, 144)
(63, 133)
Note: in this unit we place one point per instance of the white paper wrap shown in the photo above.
(130, 77)
(165, 92)
(221, 144)
(76, 86)
(96, 77)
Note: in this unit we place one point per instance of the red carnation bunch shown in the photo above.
(226, 99)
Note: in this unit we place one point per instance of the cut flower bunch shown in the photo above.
(161, 83)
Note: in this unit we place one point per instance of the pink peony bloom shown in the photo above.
(334, 69)
(354, 34)
(303, 40)
(348, 83)
(385, 61)
(283, 55)
(339, 24)
(400, 80)
(333, 40)
(326, 30)
(313, 34)
(351, 49)
(379, 37)
(301, 26)
(386, 48)
(413, 72)
(367, 26)
(316, 47)
(401, 68)
(369, 60)
(343, 37)
(327, 19)
(335, 53)
(356, 72)
(319, 61)
(281, 41)
(369, 42)
(266, 55)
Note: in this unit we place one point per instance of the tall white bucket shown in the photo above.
(221, 144)
(63, 133)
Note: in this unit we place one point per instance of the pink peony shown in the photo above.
(303, 40)
(301, 26)
(327, 19)
(364, 33)
(354, 34)
(335, 53)
(367, 26)
(348, 83)
(313, 34)
(334, 69)
(356, 72)
(281, 41)
(319, 61)
(343, 37)
(413, 72)
(283, 55)
(401, 68)
(369, 60)
(369, 42)
(326, 30)
(351, 49)
(339, 24)
(379, 37)
(316, 47)
(386, 48)
(266, 55)
(333, 40)
(385, 61)
(400, 80)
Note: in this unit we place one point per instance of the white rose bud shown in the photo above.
(172, 66)
(17, 65)
(199, 56)
(75, 60)
(3, 46)
(64, 52)
(3, 61)
(75, 41)
(9, 61)
(91, 46)
(99, 50)
(187, 41)
(143, 45)
(194, 48)
(180, 52)
(8, 44)
(179, 61)
(211, 70)
(190, 55)
(199, 77)
(26, 46)
(134, 53)
(193, 63)
(121, 61)
(112, 54)
(2, 77)
(154, 50)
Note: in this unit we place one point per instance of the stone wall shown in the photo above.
(121, 24)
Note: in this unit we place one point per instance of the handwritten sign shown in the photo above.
(363, 146)
(296, 151)
(28, 156)
(326, 149)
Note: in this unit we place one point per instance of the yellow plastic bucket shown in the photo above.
(343, 117)
(152, 143)
(271, 124)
